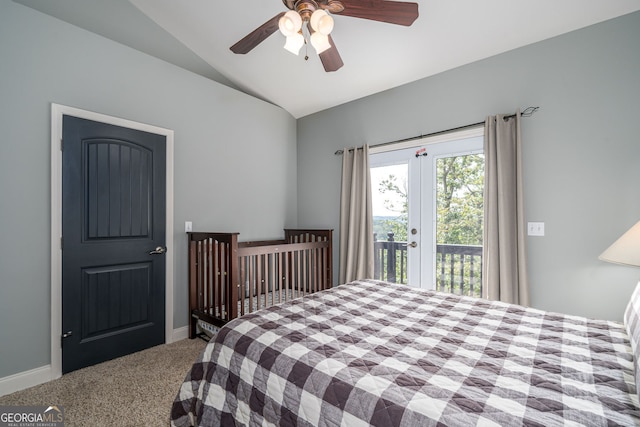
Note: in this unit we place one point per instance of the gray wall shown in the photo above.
(223, 141)
(581, 151)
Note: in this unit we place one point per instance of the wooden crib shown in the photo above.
(228, 278)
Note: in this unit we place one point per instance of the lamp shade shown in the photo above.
(290, 23)
(321, 22)
(320, 42)
(625, 250)
(294, 43)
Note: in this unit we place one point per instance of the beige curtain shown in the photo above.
(504, 270)
(356, 217)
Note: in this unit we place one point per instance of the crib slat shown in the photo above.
(217, 288)
(232, 275)
(201, 265)
(242, 279)
(314, 261)
(319, 269)
(306, 279)
(284, 275)
(324, 268)
(259, 280)
(218, 279)
(281, 276)
(302, 274)
(207, 302)
(250, 283)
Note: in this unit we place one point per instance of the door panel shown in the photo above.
(113, 216)
(115, 298)
(431, 182)
(119, 187)
(393, 180)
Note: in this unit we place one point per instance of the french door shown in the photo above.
(427, 207)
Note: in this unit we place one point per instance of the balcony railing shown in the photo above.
(458, 267)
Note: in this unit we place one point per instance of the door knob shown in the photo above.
(158, 251)
(413, 244)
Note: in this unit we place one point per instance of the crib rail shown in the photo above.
(273, 274)
(228, 278)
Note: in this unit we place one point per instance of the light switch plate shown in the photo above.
(535, 228)
(188, 226)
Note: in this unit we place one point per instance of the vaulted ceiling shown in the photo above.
(197, 34)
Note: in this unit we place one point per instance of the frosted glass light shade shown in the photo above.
(290, 23)
(321, 22)
(625, 250)
(294, 43)
(320, 42)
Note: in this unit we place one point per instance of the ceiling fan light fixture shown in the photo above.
(294, 43)
(290, 23)
(320, 42)
(321, 22)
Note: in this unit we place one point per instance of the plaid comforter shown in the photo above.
(374, 353)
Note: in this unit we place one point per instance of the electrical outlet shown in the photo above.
(535, 228)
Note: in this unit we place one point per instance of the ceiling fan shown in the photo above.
(313, 14)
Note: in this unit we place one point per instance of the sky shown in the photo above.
(377, 175)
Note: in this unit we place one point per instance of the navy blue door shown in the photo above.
(113, 228)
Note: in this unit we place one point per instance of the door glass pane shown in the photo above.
(389, 188)
(459, 222)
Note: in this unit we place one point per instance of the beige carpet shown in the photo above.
(135, 390)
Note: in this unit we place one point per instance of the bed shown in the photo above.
(376, 353)
(229, 278)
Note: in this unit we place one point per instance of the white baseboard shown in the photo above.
(33, 377)
(26, 379)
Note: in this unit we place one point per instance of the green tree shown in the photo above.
(459, 205)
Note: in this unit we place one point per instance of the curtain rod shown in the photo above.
(527, 112)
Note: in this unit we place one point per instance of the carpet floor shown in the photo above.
(134, 390)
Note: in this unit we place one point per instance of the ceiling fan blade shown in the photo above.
(257, 36)
(392, 12)
(330, 58)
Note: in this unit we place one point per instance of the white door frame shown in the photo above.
(421, 262)
(57, 111)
